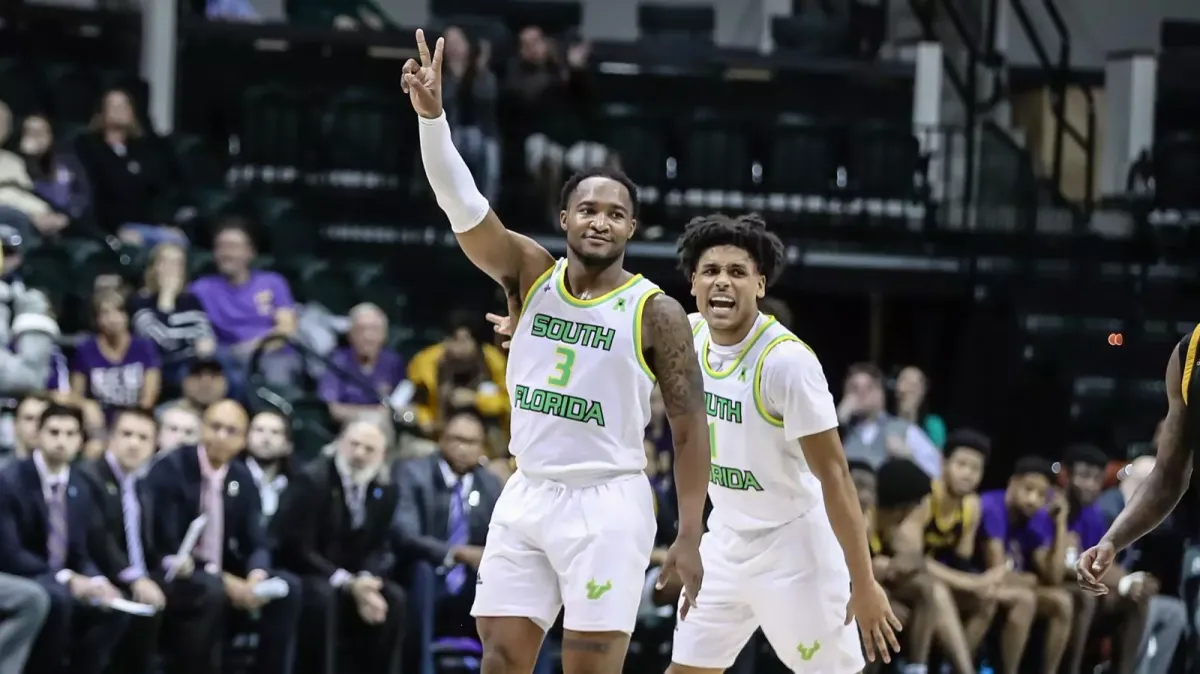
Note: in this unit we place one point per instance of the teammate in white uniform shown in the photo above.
(786, 539)
(575, 525)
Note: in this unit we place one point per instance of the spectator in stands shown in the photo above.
(122, 511)
(269, 457)
(248, 308)
(1024, 529)
(659, 446)
(233, 546)
(458, 374)
(24, 605)
(1131, 604)
(45, 519)
(950, 537)
(115, 368)
(334, 531)
(179, 426)
(897, 527)
(129, 174)
(469, 93)
(167, 313)
(26, 420)
(664, 511)
(380, 369)
(28, 330)
(552, 101)
(204, 384)
(58, 177)
(911, 389)
(20, 206)
(446, 502)
(1167, 617)
(873, 435)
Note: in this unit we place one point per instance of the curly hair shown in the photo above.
(748, 232)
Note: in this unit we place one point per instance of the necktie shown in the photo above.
(131, 513)
(460, 532)
(357, 509)
(56, 539)
(212, 537)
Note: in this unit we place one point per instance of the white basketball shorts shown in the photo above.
(551, 545)
(792, 581)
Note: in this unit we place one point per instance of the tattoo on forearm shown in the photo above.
(673, 356)
(585, 645)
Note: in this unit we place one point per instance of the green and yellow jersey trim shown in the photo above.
(741, 356)
(1190, 364)
(637, 331)
(759, 403)
(595, 301)
(537, 285)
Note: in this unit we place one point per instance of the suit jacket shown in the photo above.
(312, 526)
(422, 520)
(173, 484)
(110, 549)
(24, 524)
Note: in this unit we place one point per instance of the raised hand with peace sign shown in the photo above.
(423, 81)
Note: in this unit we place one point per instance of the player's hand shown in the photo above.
(869, 604)
(423, 81)
(502, 325)
(683, 561)
(1092, 565)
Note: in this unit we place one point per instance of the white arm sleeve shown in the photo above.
(449, 176)
(794, 387)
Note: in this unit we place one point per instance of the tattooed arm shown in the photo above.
(672, 357)
(1172, 472)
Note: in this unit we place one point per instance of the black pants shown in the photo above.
(276, 627)
(77, 638)
(331, 618)
(137, 650)
(191, 624)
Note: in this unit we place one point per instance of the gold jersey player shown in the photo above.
(786, 536)
(1170, 477)
(575, 524)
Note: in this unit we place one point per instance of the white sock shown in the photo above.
(916, 669)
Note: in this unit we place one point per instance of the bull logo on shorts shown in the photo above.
(807, 653)
(595, 590)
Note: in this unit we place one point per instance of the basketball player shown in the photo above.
(1168, 480)
(786, 536)
(575, 524)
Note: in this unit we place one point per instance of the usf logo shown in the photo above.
(807, 652)
(595, 590)
(620, 306)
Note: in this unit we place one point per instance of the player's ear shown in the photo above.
(562, 220)
(762, 287)
(692, 283)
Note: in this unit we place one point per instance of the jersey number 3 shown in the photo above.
(562, 369)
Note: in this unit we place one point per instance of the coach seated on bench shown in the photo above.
(333, 529)
(232, 548)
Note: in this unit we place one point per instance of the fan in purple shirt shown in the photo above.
(245, 306)
(381, 369)
(1086, 469)
(115, 368)
(1019, 530)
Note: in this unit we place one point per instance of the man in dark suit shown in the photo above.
(333, 527)
(45, 525)
(231, 550)
(123, 514)
(446, 502)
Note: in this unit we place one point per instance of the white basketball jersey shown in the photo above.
(579, 385)
(759, 480)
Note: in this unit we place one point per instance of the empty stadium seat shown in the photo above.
(73, 92)
(276, 138)
(714, 154)
(1176, 165)
(802, 157)
(331, 287)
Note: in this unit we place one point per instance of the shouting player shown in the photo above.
(786, 549)
(575, 524)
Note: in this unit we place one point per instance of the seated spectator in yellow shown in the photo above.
(380, 370)
(115, 368)
(896, 530)
(458, 373)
